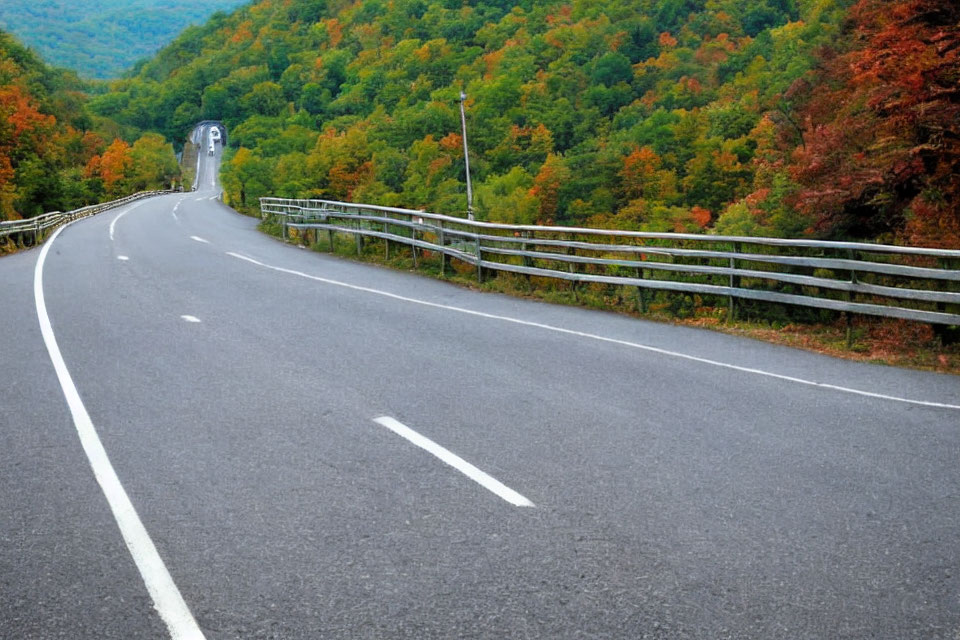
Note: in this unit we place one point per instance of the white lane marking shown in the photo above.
(199, 239)
(192, 319)
(196, 177)
(113, 223)
(122, 258)
(485, 480)
(593, 336)
(166, 597)
(176, 207)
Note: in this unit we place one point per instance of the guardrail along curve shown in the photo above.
(910, 283)
(36, 228)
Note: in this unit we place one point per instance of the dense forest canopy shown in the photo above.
(835, 118)
(102, 38)
(636, 114)
(55, 156)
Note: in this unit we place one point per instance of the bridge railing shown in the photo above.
(912, 283)
(33, 230)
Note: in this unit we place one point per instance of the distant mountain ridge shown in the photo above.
(104, 38)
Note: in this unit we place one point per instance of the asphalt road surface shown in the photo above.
(314, 448)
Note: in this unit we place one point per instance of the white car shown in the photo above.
(214, 135)
(212, 149)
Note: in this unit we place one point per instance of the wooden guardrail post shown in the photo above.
(525, 259)
(734, 283)
(386, 241)
(479, 252)
(413, 246)
(641, 293)
(848, 315)
(443, 253)
(948, 334)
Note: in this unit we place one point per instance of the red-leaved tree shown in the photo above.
(881, 126)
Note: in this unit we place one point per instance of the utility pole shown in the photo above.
(466, 156)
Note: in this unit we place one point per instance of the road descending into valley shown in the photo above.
(205, 433)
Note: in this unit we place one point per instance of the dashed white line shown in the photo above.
(199, 239)
(192, 319)
(123, 258)
(593, 336)
(166, 597)
(483, 479)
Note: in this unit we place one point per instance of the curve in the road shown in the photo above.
(593, 336)
(167, 599)
(671, 501)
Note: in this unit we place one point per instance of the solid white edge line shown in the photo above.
(166, 597)
(196, 177)
(592, 336)
(485, 480)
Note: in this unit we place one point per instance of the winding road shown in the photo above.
(283, 444)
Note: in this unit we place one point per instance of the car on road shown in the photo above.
(214, 135)
(212, 149)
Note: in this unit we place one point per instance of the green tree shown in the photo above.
(154, 164)
(246, 177)
(265, 98)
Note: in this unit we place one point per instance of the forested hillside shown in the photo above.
(779, 117)
(102, 38)
(53, 154)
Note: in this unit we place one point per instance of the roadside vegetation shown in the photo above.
(57, 156)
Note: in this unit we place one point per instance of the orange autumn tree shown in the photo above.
(641, 176)
(24, 131)
(115, 165)
(546, 187)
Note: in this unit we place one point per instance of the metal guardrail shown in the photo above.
(911, 283)
(34, 229)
